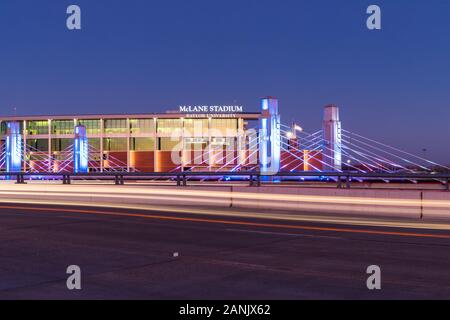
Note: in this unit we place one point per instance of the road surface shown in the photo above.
(125, 254)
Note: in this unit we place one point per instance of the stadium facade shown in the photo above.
(201, 138)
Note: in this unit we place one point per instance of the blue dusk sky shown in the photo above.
(139, 56)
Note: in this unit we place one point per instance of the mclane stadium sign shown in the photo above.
(211, 109)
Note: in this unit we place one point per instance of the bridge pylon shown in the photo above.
(332, 139)
(14, 147)
(269, 137)
(80, 150)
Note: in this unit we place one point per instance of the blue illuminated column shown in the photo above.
(80, 150)
(332, 139)
(269, 137)
(13, 147)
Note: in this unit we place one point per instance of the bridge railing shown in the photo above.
(342, 179)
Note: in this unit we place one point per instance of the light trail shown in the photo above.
(242, 213)
(90, 191)
(143, 193)
(228, 195)
(231, 222)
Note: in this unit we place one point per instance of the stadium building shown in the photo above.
(199, 138)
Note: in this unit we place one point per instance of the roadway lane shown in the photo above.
(130, 254)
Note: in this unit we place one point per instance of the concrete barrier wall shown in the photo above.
(436, 205)
(368, 202)
(400, 203)
(158, 196)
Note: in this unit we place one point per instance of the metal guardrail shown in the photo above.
(254, 178)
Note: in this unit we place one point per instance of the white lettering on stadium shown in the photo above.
(211, 109)
(211, 115)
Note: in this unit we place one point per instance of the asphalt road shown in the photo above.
(131, 255)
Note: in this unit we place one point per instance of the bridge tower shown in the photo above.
(80, 150)
(269, 137)
(13, 147)
(332, 139)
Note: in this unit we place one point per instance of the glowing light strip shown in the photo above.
(207, 196)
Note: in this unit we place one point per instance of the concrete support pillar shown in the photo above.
(185, 154)
(14, 147)
(102, 153)
(128, 145)
(80, 150)
(49, 153)
(240, 143)
(25, 155)
(155, 145)
(269, 137)
(332, 139)
(210, 149)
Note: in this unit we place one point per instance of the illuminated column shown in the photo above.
(128, 144)
(49, 152)
(210, 149)
(184, 153)
(13, 147)
(102, 154)
(332, 136)
(155, 145)
(241, 149)
(269, 137)
(80, 150)
(25, 145)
